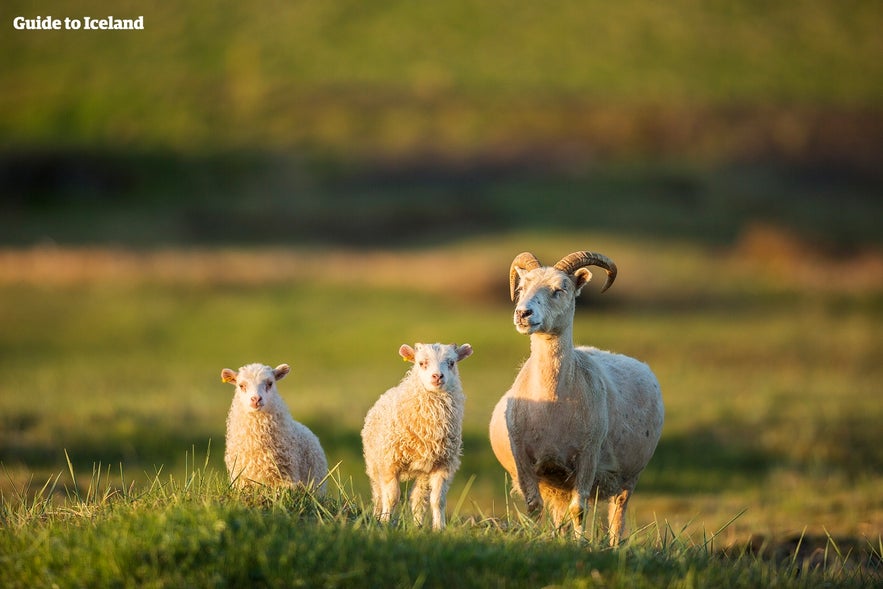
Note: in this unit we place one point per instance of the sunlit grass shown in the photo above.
(770, 386)
(364, 80)
(197, 530)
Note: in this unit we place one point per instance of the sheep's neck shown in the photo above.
(551, 356)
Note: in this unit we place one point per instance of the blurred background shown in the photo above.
(319, 182)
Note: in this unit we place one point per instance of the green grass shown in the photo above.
(196, 531)
(317, 183)
(111, 360)
(769, 381)
(451, 78)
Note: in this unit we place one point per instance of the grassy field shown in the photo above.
(196, 532)
(317, 183)
(456, 80)
(755, 296)
(769, 365)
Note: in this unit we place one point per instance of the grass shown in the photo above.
(111, 359)
(196, 531)
(453, 79)
(317, 183)
(769, 377)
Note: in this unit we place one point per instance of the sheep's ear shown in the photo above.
(464, 352)
(407, 353)
(228, 375)
(581, 278)
(281, 371)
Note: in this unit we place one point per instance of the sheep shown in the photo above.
(578, 424)
(414, 432)
(264, 444)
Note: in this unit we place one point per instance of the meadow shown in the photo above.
(318, 183)
(455, 81)
(112, 403)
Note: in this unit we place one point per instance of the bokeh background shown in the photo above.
(319, 182)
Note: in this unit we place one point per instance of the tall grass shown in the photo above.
(766, 345)
(198, 531)
(769, 381)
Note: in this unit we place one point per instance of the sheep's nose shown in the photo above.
(255, 401)
(523, 313)
(438, 378)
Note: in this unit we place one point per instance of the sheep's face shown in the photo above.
(545, 299)
(255, 385)
(436, 364)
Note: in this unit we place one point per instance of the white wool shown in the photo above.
(577, 422)
(264, 444)
(414, 432)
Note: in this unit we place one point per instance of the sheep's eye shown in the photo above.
(557, 292)
(422, 363)
(269, 384)
(242, 386)
(450, 363)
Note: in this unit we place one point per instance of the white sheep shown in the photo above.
(414, 432)
(578, 423)
(264, 444)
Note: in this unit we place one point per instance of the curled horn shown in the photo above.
(525, 261)
(577, 260)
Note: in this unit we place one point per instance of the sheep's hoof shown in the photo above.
(535, 507)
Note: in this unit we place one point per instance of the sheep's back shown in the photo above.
(634, 404)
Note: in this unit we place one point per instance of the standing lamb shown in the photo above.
(577, 422)
(265, 445)
(414, 431)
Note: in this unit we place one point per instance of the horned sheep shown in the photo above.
(264, 444)
(578, 423)
(414, 432)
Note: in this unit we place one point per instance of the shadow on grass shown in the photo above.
(700, 461)
(142, 445)
(144, 199)
(695, 462)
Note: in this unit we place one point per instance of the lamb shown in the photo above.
(264, 444)
(578, 423)
(414, 432)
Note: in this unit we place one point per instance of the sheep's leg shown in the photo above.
(556, 502)
(374, 477)
(375, 499)
(616, 515)
(578, 508)
(389, 497)
(418, 498)
(528, 483)
(582, 496)
(438, 484)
